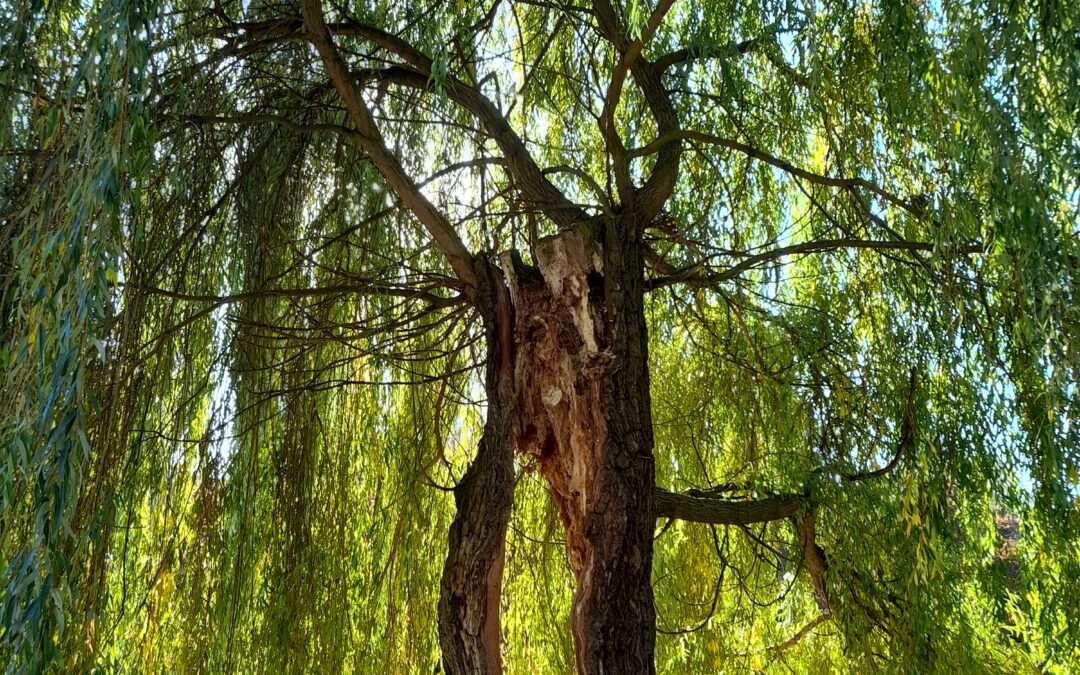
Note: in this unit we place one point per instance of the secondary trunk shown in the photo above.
(581, 375)
(472, 576)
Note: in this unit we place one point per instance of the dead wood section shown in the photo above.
(566, 366)
(581, 369)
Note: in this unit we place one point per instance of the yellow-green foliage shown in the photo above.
(238, 383)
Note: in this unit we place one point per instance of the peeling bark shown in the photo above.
(581, 374)
(471, 584)
(567, 385)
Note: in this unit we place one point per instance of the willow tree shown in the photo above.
(539, 336)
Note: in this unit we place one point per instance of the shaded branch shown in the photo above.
(725, 511)
(388, 165)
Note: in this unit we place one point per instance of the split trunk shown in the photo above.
(567, 386)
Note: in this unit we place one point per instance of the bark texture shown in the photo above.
(471, 584)
(726, 512)
(581, 375)
(567, 385)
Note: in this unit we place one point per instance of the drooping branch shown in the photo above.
(386, 162)
(800, 509)
(373, 288)
(717, 511)
(700, 275)
(659, 144)
(243, 119)
(416, 73)
(701, 507)
(907, 436)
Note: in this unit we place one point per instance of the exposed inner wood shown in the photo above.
(583, 417)
(561, 363)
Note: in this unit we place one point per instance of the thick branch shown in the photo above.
(385, 161)
(725, 511)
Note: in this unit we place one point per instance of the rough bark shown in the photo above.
(585, 418)
(471, 584)
(726, 512)
(567, 385)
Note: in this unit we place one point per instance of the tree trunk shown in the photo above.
(581, 373)
(567, 384)
(471, 584)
